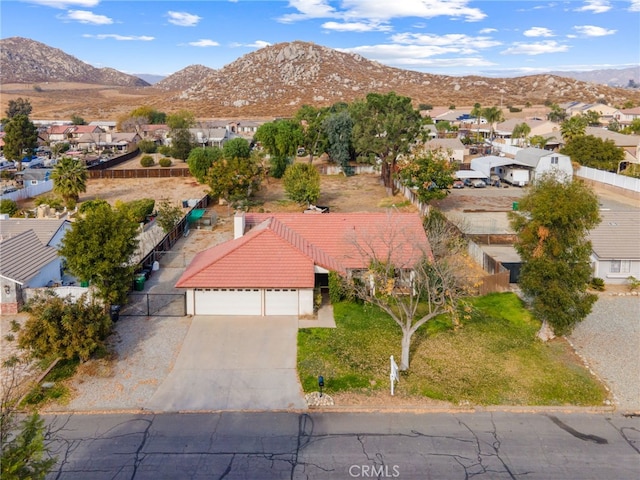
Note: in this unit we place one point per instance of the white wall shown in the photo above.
(50, 272)
(29, 191)
(305, 299)
(602, 269)
(620, 181)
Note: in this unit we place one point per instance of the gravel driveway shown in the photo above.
(609, 340)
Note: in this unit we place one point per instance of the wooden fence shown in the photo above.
(140, 173)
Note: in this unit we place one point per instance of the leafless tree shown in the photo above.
(408, 280)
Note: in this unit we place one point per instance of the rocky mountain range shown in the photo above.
(282, 77)
(26, 61)
(273, 81)
(614, 77)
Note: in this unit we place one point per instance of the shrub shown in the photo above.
(633, 283)
(51, 200)
(8, 206)
(140, 209)
(91, 204)
(337, 290)
(165, 162)
(597, 284)
(147, 146)
(147, 161)
(515, 109)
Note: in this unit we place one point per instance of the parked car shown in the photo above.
(479, 184)
(458, 184)
(468, 182)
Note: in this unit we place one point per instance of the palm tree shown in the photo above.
(69, 180)
(573, 128)
(493, 115)
(557, 114)
(521, 131)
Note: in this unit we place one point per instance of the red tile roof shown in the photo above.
(280, 250)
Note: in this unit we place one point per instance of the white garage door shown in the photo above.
(228, 301)
(281, 301)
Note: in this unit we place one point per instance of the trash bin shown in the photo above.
(139, 283)
(515, 206)
(84, 283)
(114, 313)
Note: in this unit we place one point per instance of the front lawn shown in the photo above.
(493, 359)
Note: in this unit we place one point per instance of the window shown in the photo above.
(620, 266)
(554, 160)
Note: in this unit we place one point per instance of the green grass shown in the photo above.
(59, 392)
(494, 358)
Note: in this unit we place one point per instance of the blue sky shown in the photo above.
(450, 37)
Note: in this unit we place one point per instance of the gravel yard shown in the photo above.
(609, 340)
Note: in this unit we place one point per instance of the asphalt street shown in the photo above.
(439, 446)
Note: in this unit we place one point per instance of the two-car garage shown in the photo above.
(249, 301)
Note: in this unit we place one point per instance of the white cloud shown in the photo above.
(635, 6)
(356, 27)
(308, 9)
(204, 42)
(539, 48)
(183, 19)
(538, 32)
(380, 11)
(593, 31)
(455, 40)
(84, 16)
(63, 4)
(256, 44)
(485, 31)
(114, 36)
(595, 6)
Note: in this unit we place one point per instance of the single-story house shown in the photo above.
(29, 252)
(545, 161)
(615, 244)
(453, 146)
(275, 262)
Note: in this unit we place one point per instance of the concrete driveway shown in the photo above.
(234, 363)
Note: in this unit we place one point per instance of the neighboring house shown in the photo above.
(275, 262)
(616, 246)
(59, 133)
(116, 141)
(156, 133)
(544, 161)
(33, 176)
(29, 252)
(106, 125)
(453, 146)
(626, 116)
(211, 136)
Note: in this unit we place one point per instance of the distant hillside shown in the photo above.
(612, 77)
(185, 78)
(278, 79)
(26, 61)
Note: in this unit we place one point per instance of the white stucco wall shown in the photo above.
(602, 269)
(305, 296)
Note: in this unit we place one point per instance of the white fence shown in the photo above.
(29, 191)
(352, 169)
(62, 292)
(608, 178)
(413, 198)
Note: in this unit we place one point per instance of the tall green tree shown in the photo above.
(201, 159)
(429, 172)
(21, 137)
(385, 125)
(24, 454)
(302, 183)
(281, 140)
(19, 106)
(168, 215)
(552, 224)
(236, 148)
(338, 127)
(573, 127)
(98, 248)
(181, 140)
(234, 179)
(69, 180)
(311, 125)
(594, 152)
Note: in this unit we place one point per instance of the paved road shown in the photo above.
(234, 363)
(439, 446)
